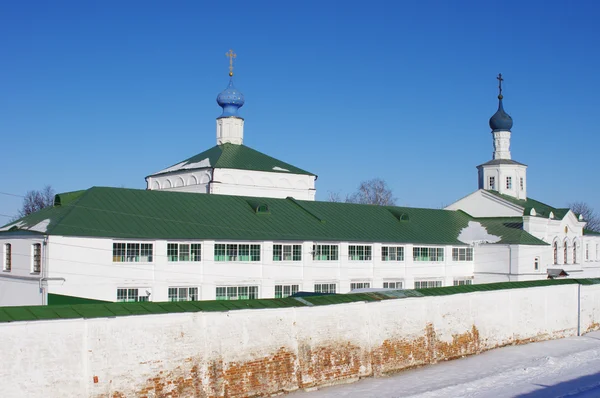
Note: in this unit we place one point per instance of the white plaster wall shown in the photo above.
(125, 355)
(84, 267)
(21, 286)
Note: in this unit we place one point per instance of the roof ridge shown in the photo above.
(70, 206)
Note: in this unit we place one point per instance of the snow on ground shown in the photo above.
(569, 367)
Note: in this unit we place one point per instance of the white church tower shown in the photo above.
(232, 168)
(502, 174)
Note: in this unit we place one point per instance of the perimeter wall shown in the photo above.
(262, 352)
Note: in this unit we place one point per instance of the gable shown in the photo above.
(482, 204)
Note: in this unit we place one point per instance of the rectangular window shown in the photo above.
(587, 252)
(462, 254)
(392, 253)
(283, 291)
(392, 285)
(462, 282)
(133, 252)
(183, 294)
(427, 284)
(37, 257)
(325, 287)
(521, 183)
(508, 182)
(132, 295)
(493, 183)
(359, 285)
(184, 252)
(536, 263)
(237, 252)
(325, 252)
(359, 253)
(7, 257)
(287, 252)
(237, 292)
(428, 253)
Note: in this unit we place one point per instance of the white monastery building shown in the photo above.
(232, 223)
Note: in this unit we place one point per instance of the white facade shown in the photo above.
(85, 267)
(236, 182)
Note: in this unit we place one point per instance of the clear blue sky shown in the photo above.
(107, 92)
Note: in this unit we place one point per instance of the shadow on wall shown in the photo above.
(585, 386)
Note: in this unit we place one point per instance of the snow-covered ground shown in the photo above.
(568, 367)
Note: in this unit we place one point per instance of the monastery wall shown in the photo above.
(261, 352)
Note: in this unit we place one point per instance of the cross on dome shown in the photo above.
(231, 55)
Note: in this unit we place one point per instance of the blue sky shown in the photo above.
(106, 92)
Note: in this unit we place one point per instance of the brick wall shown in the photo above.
(263, 352)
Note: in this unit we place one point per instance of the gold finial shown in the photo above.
(500, 80)
(231, 55)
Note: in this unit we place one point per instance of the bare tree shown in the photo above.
(370, 192)
(589, 215)
(37, 200)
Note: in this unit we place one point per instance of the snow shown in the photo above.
(18, 225)
(186, 166)
(474, 232)
(569, 367)
(277, 168)
(42, 226)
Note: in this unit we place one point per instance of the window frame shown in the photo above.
(36, 258)
(132, 292)
(174, 252)
(360, 252)
(536, 264)
(192, 293)
(133, 252)
(386, 253)
(429, 257)
(331, 254)
(292, 288)
(295, 250)
(395, 282)
(492, 182)
(237, 252)
(462, 254)
(231, 291)
(462, 282)
(362, 284)
(436, 282)
(7, 263)
(331, 287)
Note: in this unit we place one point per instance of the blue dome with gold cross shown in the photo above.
(230, 99)
(500, 121)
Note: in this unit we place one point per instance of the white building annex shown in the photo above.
(264, 236)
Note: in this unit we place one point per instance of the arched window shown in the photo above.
(555, 249)
(566, 254)
(574, 252)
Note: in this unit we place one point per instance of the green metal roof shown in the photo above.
(541, 209)
(231, 156)
(139, 214)
(32, 313)
(590, 232)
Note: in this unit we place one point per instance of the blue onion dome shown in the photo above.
(501, 121)
(230, 99)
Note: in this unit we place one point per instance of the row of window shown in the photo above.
(251, 292)
(143, 252)
(36, 258)
(492, 183)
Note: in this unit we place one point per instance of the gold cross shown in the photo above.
(231, 55)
